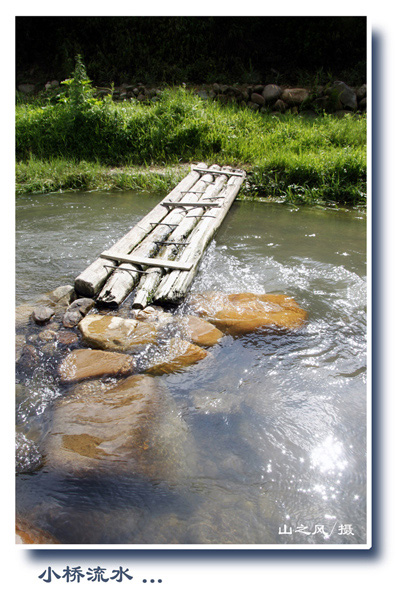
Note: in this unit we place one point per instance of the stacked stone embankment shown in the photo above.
(336, 97)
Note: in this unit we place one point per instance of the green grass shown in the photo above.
(101, 147)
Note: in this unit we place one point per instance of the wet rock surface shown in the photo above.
(115, 333)
(175, 356)
(86, 363)
(27, 455)
(132, 426)
(42, 315)
(26, 533)
(239, 314)
(77, 310)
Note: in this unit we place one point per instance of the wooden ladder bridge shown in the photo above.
(159, 257)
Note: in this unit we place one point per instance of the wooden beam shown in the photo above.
(221, 172)
(192, 204)
(144, 260)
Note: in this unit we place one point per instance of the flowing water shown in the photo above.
(270, 447)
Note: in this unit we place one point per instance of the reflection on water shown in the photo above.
(274, 448)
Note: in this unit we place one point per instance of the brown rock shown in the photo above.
(29, 357)
(115, 333)
(177, 355)
(131, 427)
(86, 363)
(294, 96)
(153, 314)
(280, 106)
(200, 331)
(25, 533)
(238, 314)
(42, 314)
(67, 338)
(257, 99)
(47, 335)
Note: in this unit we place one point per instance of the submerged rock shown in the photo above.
(200, 331)
(176, 355)
(26, 533)
(87, 363)
(27, 455)
(23, 314)
(115, 333)
(66, 338)
(42, 314)
(132, 427)
(238, 314)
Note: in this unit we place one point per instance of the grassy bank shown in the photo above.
(104, 145)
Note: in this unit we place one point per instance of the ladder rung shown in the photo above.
(136, 259)
(173, 243)
(192, 204)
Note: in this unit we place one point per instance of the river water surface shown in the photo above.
(277, 424)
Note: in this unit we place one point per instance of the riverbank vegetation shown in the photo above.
(78, 141)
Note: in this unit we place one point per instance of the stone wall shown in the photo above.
(337, 97)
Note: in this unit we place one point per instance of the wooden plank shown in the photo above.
(221, 172)
(195, 204)
(144, 260)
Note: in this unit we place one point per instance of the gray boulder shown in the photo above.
(271, 93)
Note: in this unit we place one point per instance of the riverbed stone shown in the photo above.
(29, 358)
(23, 314)
(19, 345)
(42, 314)
(199, 331)
(243, 313)
(62, 295)
(175, 356)
(27, 455)
(294, 96)
(153, 314)
(116, 333)
(76, 311)
(87, 363)
(47, 335)
(67, 338)
(131, 427)
(26, 533)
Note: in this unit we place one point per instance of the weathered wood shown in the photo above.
(148, 285)
(215, 171)
(122, 282)
(196, 204)
(92, 279)
(175, 285)
(135, 259)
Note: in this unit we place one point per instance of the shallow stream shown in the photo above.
(274, 448)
